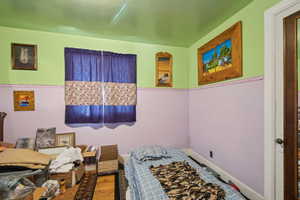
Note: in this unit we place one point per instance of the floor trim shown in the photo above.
(245, 189)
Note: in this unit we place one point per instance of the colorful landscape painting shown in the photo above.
(24, 100)
(221, 58)
(218, 58)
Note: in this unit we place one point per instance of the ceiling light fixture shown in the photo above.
(119, 13)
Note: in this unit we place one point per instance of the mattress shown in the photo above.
(144, 186)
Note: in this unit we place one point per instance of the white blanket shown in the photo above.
(64, 161)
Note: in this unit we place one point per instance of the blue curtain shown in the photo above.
(119, 68)
(100, 87)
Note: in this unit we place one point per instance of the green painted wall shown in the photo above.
(4, 63)
(51, 51)
(51, 57)
(252, 17)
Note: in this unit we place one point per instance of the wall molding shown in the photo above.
(214, 85)
(230, 83)
(245, 189)
(30, 86)
(162, 89)
(62, 86)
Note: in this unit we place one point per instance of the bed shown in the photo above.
(143, 185)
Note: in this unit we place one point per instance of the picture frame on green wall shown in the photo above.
(24, 56)
(221, 58)
(164, 65)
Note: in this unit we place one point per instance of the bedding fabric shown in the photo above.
(149, 153)
(181, 181)
(144, 186)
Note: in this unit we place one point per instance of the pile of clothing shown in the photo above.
(66, 160)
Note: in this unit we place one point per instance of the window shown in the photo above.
(100, 87)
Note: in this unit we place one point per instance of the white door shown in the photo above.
(274, 97)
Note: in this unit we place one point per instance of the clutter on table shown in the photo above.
(34, 168)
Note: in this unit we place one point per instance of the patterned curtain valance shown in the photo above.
(116, 94)
(100, 87)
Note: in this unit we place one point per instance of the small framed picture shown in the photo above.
(65, 139)
(45, 138)
(164, 65)
(24, 56)
(24, 101)
(25, 143)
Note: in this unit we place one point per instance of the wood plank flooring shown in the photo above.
(105, 190)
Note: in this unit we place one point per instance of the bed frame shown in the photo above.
(2, 116)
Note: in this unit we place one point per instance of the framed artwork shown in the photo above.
(164, 76)
(65, 139)
(24, 101)
(25, 143)
(45, 138)
(24, 56)
(221, 58)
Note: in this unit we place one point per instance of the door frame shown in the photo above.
(274, 96)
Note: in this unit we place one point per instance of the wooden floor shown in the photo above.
(105, 190)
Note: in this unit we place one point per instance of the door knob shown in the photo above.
(279, 141)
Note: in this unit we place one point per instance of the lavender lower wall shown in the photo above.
(228, 119)
(225, 118)
(162, 118)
